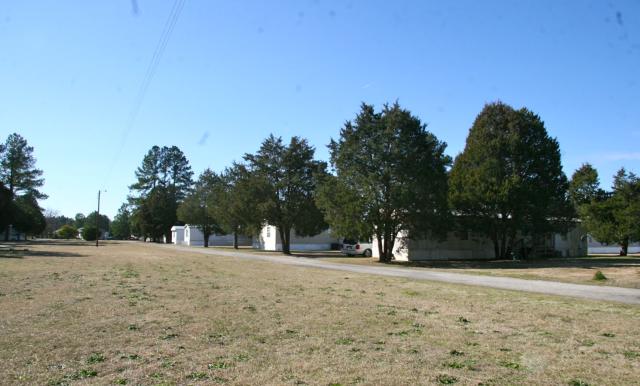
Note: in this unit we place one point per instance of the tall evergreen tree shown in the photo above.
(196, 208)
(167, 167)
(103, 225)
(5, 206)
(584, 186)
(163, 181)
(28, 217)
(508, 181)
(155, 214)
(235, 207)
(148, 174)
(121, 224)
(611, 217)
(284, 179)
(19, 176)
(79, 220)
(390, 178)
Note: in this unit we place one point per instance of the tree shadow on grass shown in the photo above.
(320, 254)
(66, 243)
(58, 243)
(590, 262)
(586, 262)
(22, 252)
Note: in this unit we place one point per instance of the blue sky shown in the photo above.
(233, 72)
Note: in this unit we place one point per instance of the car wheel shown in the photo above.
(367, 253)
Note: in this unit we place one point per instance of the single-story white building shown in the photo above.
(192, 235)
(177, 234)
(269, 240)
(476, 246)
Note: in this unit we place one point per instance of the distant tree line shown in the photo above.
(388, 175)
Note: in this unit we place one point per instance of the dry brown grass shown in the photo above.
(141, 314)
(620, 271)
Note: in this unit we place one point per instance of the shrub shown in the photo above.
(89, 233)
(96, 357)
(445, 379)
(599, 276)
(67, 232)
(577, 382)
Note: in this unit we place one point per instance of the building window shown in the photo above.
(268, 231)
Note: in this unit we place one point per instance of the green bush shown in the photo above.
(599, 276)
(67, 232)
(89, 233)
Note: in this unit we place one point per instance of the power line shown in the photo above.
(150, 72)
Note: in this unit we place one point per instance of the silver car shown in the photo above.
(356, 248)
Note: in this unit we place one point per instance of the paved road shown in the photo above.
(615, 294)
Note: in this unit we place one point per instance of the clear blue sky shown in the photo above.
(236, 71)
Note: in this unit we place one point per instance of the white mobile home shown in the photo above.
(269, 240)
(192, 236)
(474, 246)
(177, 234)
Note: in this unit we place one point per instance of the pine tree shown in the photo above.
(163, 180)
(21, 178)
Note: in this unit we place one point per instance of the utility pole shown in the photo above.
(98, 221)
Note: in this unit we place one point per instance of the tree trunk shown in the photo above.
(235, 239)
(496, 245)
(284, 239)
(392, 243)
(624, 247)
(385, 256)
(380, 246)
(503, 246)
(206, 239)
(511, 244)
(6, 233)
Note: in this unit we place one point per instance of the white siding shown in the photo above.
(269, 240)
(193, 236)
(177, 234)
(452, 248)
(456, 246)
(573, 243)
